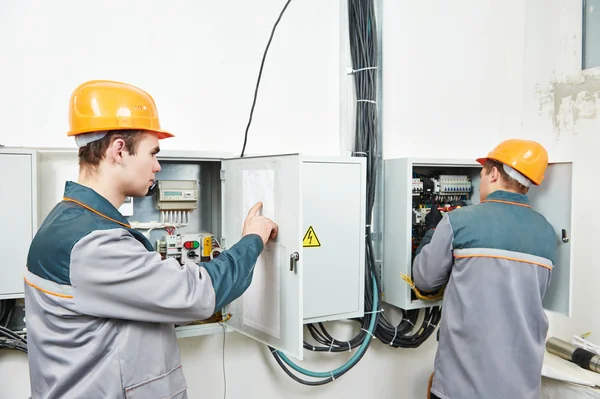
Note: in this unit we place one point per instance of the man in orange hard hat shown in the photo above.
(101, 303)
(496, 260)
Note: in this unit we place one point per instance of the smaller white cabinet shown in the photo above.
(553, 199)
(314, 270)
(18, 216)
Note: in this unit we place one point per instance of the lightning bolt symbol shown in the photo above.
(310, 237)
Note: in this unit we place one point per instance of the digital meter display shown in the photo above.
(172, 193)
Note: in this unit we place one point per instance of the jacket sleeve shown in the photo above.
(114, 276)
(434, 260)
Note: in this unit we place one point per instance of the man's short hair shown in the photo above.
(93, 153)
(508, 181)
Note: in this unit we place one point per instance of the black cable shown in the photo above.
(260, 75)
(11, 340)
(318, 382)
(7, 308)
(12, 335)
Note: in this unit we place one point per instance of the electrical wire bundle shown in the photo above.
(374, 324)
(364, 49)
(363, 43)
(9, 339)
(7, 308)
(364, 53)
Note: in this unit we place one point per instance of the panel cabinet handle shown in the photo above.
(293, 259)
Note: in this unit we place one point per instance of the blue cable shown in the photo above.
(353, 359)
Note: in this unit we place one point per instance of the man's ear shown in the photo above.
(495, 175)
(116, 149)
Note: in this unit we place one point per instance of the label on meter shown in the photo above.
(310, 238)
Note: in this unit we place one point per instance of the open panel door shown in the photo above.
(18, 215)
(553, 200)
(271, 310)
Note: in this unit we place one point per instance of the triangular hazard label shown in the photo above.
(310, 238)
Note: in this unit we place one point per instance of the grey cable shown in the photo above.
(224, 375)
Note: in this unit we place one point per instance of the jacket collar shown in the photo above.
(508, 197)
(93, 201)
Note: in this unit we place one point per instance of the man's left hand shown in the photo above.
(433, 217)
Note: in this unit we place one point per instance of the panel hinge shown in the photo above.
(222, 174)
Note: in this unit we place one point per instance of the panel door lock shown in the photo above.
(295, 257)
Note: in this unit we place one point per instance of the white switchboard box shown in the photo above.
(314, 270)
(406, 181)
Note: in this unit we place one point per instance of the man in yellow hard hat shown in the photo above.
(101, 303)
(495, 260)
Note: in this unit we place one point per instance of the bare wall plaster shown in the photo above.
(572, 101)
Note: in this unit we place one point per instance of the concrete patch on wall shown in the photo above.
(571, 103)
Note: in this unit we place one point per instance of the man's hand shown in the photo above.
(433, 217)
(260, 225)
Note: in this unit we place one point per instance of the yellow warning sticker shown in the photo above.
(310, 238)
(207, 246)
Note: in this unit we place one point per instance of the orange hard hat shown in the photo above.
(526, 157)
(102, 105)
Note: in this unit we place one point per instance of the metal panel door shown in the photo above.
(271, 310)
(17, 214)
(553, 200)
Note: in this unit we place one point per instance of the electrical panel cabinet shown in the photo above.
(319, 206)
(18, 215)
(412, 185)
(313, 271)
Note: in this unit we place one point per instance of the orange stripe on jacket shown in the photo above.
(96, 212)
(46, 291)
(508, 202)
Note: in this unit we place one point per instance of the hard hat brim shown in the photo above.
(162, 134)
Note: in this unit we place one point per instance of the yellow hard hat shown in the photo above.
(526, 157)
(103, 105)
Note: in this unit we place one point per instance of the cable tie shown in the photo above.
(395, 334)
(332, 377)
(366, 101)
(273, 350)
(429, 324)
(330, 346)
(313, 348)
(349, 347)
(368, 332)
(353, 71)
(360, 152)
(411, 323)
(374, 311)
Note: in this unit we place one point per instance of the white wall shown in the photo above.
(459, 77)
(200, 61)
(561, 103)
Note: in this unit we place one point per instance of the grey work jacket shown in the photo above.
(101, 304)
(496, 259)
